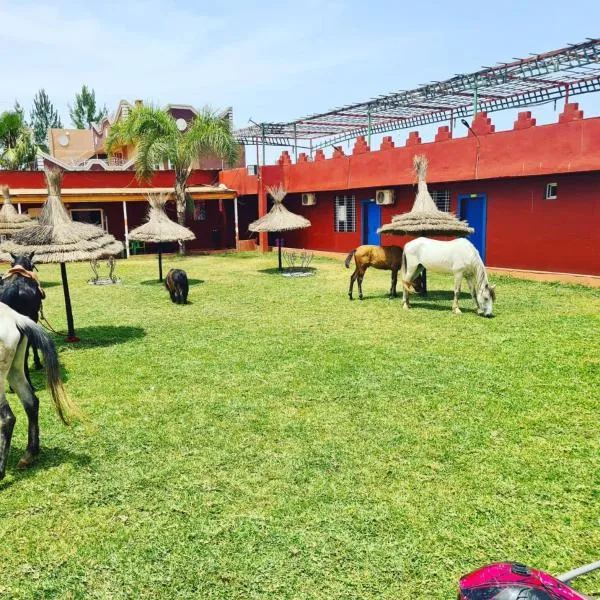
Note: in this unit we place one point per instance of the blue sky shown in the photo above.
(270, 60)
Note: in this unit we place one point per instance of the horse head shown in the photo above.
(485, 297)
(23, 260)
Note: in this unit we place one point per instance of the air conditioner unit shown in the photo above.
(308, 200)
(384, 197)
(252, 170)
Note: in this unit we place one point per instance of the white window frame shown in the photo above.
(548, 195)
(441, 199)
(346, 206)
(100, 210)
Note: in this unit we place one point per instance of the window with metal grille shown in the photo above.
(345, 213)
(441, 199)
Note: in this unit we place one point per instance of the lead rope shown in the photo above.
(47, 325)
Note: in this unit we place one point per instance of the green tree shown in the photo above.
(43, 117)
(85, 112)
(17, 147)
(157, 139)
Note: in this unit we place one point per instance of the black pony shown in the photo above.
(176, 282)
(20, 289)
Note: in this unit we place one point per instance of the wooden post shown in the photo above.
(160, 277)
(126, 229)
(262, 210)
(279, 253)
(71, 337)
(237, 227)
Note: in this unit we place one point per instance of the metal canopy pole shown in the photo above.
(369, 125)
(295, 144)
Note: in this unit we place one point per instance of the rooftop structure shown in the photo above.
(538, 79)
(84, 150)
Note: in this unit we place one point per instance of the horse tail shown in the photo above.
(349, 258)
(65, 408)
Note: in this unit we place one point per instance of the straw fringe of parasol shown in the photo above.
(425, 218)
(158, 227)
(10, 220)
(279, 218)
(55, 238)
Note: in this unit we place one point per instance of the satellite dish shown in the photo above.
(181, 124)
(63, 140)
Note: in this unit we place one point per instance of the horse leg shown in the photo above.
(26, 367)
(407, 278)
(352, 280)
(31, 404)
(7, 423)
(457, 283)
(393, 292)
(361, 274)
(36, 359)
(471, 285)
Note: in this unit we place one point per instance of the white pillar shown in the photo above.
(237, 231)
(19, 207)
(126, 228)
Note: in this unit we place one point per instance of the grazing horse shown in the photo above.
(20, 289)
(458, 257)
(388, 258)
(15, 332)
(176, 283)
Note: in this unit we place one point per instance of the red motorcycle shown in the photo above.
(514, 581)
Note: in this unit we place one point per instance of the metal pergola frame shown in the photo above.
(540, 79)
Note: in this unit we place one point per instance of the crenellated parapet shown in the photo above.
(570, 113)
(413, 139)
(524, 121)
(361, 146)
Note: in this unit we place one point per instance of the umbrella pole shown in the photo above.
(160, 277)
(71, 337)
(279, 253)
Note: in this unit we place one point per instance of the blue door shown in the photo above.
(371, 222)
(473, 209)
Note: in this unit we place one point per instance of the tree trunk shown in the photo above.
(181, 209)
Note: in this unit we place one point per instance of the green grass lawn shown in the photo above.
(274, 440)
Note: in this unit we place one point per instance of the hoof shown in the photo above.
(405, 306)
(456, 311)
(26, 461)
(350, 298)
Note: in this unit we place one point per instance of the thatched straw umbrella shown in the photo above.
(57, 239)
(158, 228)
(279, 218)
(10, 220)
(425, 218)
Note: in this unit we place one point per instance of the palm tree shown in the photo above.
(157, 139)
(17, 148)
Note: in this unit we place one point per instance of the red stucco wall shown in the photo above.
(513, 167)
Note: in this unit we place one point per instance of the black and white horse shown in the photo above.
(16, 331)
(20, 289)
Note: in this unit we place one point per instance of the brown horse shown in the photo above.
(388, 258)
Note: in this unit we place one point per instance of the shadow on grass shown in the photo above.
(48, 459)
(276, 271)
(191, 282)
(50, 284)
(102, 335)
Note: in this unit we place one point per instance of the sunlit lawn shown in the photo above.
(273, 439)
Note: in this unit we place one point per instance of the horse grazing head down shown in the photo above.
(485, 298)
(23, 260)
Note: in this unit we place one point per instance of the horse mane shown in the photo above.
(481, 273)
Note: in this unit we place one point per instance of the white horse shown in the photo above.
(458, 257)
(15, 329)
